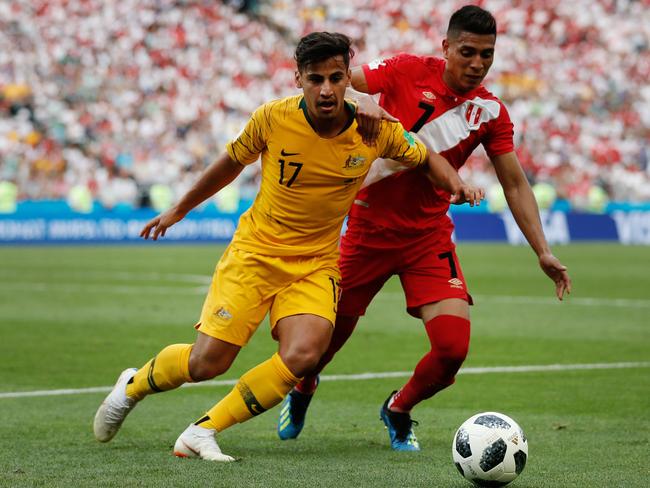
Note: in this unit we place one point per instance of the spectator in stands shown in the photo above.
(85, 84)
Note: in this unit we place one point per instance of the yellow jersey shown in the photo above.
(308, 182)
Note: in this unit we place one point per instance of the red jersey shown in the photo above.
(452, 124)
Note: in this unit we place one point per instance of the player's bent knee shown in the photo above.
(203, 372)
(451, 355)
(301, 361)
(202, 369)
(456, 352)
(451, 342)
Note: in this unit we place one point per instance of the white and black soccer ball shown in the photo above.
(490, 449)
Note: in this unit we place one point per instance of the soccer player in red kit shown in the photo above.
(405, 231)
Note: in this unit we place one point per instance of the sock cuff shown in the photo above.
(184, 362)
(449, 335)
(307, 385)
(449, 320)
(282, 370)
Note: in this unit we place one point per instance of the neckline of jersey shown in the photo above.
(350, 108)
(449, 92)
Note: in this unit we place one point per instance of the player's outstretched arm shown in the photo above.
(444, 175)
(219, 174)
(526, 213)
(468, 194)
(555, 270)
(358, 79)
(369, 114)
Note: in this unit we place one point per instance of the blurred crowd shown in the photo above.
(125, 102)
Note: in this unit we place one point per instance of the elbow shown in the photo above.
(514, 192)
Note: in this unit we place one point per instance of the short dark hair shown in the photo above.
(472, 18)
(319, 46)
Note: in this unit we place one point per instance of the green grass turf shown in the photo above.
(74, 317)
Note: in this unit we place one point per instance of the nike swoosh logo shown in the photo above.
(288, 153)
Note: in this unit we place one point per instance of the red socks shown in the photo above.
(449, 338)
(308, 385)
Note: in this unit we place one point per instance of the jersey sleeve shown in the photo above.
(381, 73)
(396, 143)
(499, 140)
(251, 141)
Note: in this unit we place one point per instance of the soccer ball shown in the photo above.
(490, 449)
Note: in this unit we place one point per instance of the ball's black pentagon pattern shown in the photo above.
(492, 422)
(493, 455)
(485, 461)
(462, 444)
(520, 461)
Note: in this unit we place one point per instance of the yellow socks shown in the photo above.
(166, 371)
(259, 389)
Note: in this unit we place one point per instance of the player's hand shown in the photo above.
(557, 272)
(468, 194)
(161, 223)
(369, 116)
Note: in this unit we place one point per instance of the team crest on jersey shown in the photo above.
(354, 162)
(473, 116)
(222, 313)
(429, 95)
(376, 63)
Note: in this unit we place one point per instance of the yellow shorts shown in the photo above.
(246, 286)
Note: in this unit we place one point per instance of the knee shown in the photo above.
(452, 348)
(301, 361)
(454, 353)
(202, 367)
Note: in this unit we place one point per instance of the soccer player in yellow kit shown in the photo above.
(283, 257)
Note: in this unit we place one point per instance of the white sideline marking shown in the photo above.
(359, 377)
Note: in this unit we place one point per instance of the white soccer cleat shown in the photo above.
(199, 442)
(114, 409)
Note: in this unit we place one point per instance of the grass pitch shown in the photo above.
(74, 317)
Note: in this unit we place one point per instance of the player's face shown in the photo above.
(469, 57)
(323, 85)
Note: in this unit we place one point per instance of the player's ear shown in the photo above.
(298, 82)
(349, 83)
(445, 48)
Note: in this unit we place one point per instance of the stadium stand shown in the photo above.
(123, 96)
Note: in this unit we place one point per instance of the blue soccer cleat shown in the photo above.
(400, 428)
(292, 414)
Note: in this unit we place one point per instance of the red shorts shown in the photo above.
(426, 264)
